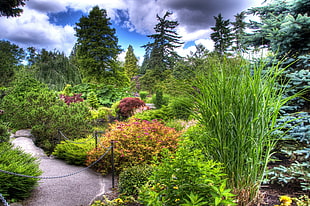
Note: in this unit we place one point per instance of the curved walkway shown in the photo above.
(77, 190)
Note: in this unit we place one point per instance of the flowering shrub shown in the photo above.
(71, 99)
(129, 105)
(136, 142)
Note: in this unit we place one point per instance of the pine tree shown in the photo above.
(239, 27)
(131, 63)
(165, 40)
(222, 35)
(97, 48)
(10, 8)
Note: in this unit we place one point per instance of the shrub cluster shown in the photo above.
(136, 142)
(132, 178)
(4, 134)
(74, 152)
(15, 160)
(186, 178)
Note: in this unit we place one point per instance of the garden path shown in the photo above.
(76, 190)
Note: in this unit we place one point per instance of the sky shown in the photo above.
(50, 24)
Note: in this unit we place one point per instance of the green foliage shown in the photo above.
(15, 160)
(92, 100)
(165, 113)
(55, 69)
(10, 57)
(222, 35)
(159, 99)
(75, 151)
(30, 104)
(131, 63)
(161, 51)
(101, 114)
(179, 176)
(136, 142)
(106, 94)
(97, 48)
(143, 95)
(181, 107)
(132, 178)
(238, 108)
(303, 200)
(4, 134)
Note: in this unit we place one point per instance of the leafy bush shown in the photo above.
(165, 113)
(180, 176)
(92, 100)
(128, 106)
(136, 142)
(102, 114)
(75, 151)
(160, 99)
(4, 134)
(132, 178)
(181, 107)
(15, 160)
(143, 95)
(106, 94)
(32, 105)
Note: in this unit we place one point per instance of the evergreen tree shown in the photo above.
(10, 57)
(10, 8)
(222, 35)
(97, 48)
(238, 28)
(131, 63)
(55, 69)
(165, 40)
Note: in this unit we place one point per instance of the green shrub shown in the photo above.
(180, 176)
(160, 99)
(132, 178)
(15, 160)
(75, 151)
(181, 107)
(143, 95)
(136, 142)
(92, 100)
(165, 113)
(4, 134)
(32, 105)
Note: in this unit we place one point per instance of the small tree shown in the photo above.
(131, 63)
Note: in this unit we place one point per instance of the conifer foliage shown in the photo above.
(97, 47)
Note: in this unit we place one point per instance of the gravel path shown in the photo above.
(77, 190)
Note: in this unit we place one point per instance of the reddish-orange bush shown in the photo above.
(136, 142)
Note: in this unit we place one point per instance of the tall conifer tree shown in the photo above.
(131, 63)
(222, 35)
(97, 48)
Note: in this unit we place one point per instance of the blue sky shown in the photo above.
(50, 24)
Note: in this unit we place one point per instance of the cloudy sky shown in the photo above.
(50, 24)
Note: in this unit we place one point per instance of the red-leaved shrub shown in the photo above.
(71, 99)
(129, 105)
(135, 142)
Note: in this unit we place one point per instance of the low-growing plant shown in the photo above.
(4, 134)
(75, 151)
(102, 114)
(17, 161)
(183, 174)
(136, 142)
(181, 107)
(132, 178)
(303, 200)
(165, 113)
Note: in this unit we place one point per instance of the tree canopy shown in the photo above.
(11, 8)
(97, 48)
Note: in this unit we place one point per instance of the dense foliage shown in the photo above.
(238, 108)
(136, 142)
(15, 160)
(74, 151)
(186, 178)
(128, 106)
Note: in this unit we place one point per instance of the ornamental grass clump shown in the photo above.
(135, 142)
(237, 106)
